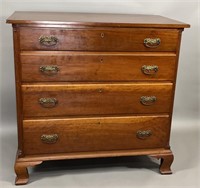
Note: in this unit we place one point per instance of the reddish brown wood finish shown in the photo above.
(17, 65)
(99, 78)
(88, 66)
(22, 171)
(95, 99)
(166, 161)
(64, 19)
(95, 134)
(98, 39)
(95, 154)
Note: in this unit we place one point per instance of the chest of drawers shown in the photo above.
(93, 85)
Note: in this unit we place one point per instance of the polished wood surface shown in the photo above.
(95, 99)
(166, 162)
(21, 170)
(95, 154)
(94, 85)
(96, 66)
(95, 134)
(18, 88)
(94, 19)
(22, 164)
(98, 39)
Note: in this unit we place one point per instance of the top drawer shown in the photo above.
(98, 39)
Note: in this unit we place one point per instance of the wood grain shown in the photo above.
(95, 134)
(96, 66)
(95, 99)
(21, 170)
(118, 39)
(18, 88)
(98, 86)
(93, 19)
(166, 161)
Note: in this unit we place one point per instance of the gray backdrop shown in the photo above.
(184, 139)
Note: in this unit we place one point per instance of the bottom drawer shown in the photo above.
(95, 134)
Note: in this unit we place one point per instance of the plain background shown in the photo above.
(184, 137)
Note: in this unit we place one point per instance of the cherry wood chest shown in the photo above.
(93, 85)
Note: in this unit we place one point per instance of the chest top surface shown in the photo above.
(94, 19)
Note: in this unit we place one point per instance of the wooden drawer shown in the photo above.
(95, 134)
(96, 99)
(88, 66)
(100, 39)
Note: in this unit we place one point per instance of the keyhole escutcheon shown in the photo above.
(102, 35)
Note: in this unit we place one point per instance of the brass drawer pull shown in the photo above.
(48, 102)
(49, 70)
(48, 40)
(49, 138)
(143, 134)
(149, 69)
(152, 42)
(148, 100)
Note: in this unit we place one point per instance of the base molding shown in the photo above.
(22, 163)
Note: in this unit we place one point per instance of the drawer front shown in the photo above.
(95, 134)
(96, 99)
(77, 66)
(117, 39)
